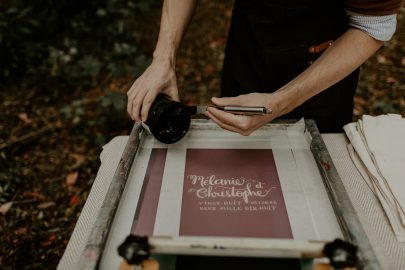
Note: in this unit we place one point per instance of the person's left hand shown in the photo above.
(243, 124)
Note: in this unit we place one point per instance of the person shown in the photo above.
(298, 58)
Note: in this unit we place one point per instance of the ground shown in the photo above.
(49, 148)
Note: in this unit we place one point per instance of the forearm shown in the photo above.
(160, 76)
(346, 54)
(176, 15)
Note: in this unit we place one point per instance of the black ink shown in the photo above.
(168, 120)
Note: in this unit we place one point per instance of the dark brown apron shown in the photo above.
(268, 45)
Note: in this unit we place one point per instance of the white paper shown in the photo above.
(379, 144)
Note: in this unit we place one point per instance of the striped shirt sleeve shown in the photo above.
(379, 27)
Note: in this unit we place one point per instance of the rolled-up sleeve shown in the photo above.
(379, 27)
(377, 18)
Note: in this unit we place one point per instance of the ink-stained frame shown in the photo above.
(343, 208)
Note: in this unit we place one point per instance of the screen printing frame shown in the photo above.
(345, 213)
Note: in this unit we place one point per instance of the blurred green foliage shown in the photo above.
(58, 44)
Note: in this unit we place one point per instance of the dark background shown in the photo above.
(65, 67)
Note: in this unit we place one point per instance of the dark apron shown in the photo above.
(268, 46)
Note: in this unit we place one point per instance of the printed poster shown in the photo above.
(233, 192)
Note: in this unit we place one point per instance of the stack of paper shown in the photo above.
(377, 147)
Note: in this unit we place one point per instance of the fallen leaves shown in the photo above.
(391, 80)
(51, 239)
(71, 178)
(79, 159)
(34, 195)
(21, 231)
(215, 43)
(45, 205)
(24, 118)
(5, 207)
(381, 59)
(74, 200)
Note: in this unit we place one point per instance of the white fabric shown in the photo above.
(379, 151)
(379, 27)
(390, 252)
(110, 157)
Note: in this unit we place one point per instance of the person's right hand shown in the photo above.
(159, 77)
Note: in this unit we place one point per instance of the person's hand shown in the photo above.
(159, 77)
(244, 124)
